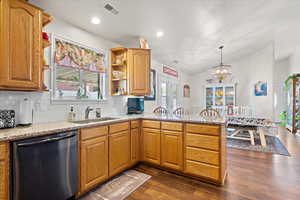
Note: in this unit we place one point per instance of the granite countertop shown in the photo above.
(55, 127)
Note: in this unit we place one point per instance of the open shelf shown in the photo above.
(118, 64)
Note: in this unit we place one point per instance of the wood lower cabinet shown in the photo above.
(119, 152)
(172, 150)
(4, 171)
(135, 145)
(205, 152)
(21, 44)
(151, 145)
(94, 162)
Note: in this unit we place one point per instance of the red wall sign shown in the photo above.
(170, 71)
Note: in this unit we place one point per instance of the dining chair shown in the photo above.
(179, 111)
(210, 113)
(160, 110)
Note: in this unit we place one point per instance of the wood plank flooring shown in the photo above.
(251, 176)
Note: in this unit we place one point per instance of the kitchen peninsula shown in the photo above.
(188, 145)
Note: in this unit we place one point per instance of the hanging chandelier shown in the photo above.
(222, 71)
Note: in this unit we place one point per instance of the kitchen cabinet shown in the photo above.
(130, 71)
(135, 145)
(151, 145)
(4, 166)
(94, 162)
(119, 152)
(172, 149)
(21, 42)
(139, 71)
(205, 152)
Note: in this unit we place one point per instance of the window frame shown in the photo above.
(52, 69)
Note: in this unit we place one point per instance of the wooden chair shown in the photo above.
(210, 113)
(160, 110)
(179, 111)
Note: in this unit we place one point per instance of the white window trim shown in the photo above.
(53, 75)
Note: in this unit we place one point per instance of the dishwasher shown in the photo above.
(45, 168)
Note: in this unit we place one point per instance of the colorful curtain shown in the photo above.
(75, 56)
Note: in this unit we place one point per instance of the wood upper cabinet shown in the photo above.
(119, 152)
(135, 145)
(172, 150)
(139, 71)
(21, 44)
(94, 162)
(151, 145)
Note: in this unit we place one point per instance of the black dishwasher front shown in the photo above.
(45, 168)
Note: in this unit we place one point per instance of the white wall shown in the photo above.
(44, 111)
(247, 71)
(183, 79)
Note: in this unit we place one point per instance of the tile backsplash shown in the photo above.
(45, 111)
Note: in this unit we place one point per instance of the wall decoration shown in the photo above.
(73, 55)
(170, 71)
(261, 88)
(186, 91)
(152, 95)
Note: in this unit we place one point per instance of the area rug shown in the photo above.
(274, 145)
(119, 187)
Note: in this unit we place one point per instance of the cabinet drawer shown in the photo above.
(151, 124)
(2, 151)
(114, 128)
(201, 169)
(87, 133)
(202, 141)
(202, 155)
(135, 124)
(151, 130)
(203, 129)
(173, 126)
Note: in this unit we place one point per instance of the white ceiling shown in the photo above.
(193, 29)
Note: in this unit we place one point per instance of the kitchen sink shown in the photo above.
(86, 121)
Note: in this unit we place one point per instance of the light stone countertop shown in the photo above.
(56, 127)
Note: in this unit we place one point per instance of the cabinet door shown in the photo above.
(151, 141)
(135, 145)
(139, 71)
(3, 180)
(172, 150)
(21, 44)
(94, 162)
(119, 152)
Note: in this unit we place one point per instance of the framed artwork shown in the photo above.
(186, 91)
(261, 88)
(152, 95)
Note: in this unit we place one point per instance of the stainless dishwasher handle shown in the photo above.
(46, 140)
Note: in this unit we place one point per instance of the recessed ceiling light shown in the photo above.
(159, 34)
(95, 20)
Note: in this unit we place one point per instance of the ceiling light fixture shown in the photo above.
(222, 71)
(159, 34)
(95, 20)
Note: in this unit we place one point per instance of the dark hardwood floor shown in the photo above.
(251, 175)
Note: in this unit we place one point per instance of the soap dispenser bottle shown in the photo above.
(72, 114)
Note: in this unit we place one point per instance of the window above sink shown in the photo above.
(78, 72)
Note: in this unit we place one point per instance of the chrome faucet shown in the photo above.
(87, 112)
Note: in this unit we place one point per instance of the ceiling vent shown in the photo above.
(111, 9)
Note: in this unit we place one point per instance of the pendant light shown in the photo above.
(222, 71)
